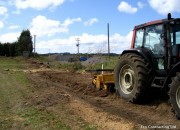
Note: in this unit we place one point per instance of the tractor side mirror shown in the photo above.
(169, 16)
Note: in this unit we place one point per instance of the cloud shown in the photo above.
(14, 27)
(69, 21)
(127, 8)
(2, 2)
(50, 27)
(165, 6)
(9, 37)
(90, 22)
(37, 4)
(3, 10)
(42, 26)
(120, 43)
(140, 5)
(69, 45)
(88, 44)
(16, 12)
(1, 24)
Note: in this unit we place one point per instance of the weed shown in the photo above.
(41, 119)
(77, 66)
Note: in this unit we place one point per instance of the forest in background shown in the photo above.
(23, 43)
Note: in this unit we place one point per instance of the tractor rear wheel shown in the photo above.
(133, 77)
(174, 95)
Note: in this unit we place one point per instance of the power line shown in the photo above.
(34, 44)
(77, 39)
(108, 40)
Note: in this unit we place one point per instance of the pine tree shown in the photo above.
(1, 49)
(24, 42)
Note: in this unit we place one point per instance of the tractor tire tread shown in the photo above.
(144, 72)
(173, 87)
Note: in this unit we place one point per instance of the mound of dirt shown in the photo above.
(74, 82)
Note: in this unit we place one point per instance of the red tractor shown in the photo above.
(152, 61)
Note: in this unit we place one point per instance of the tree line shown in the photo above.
(23, 43)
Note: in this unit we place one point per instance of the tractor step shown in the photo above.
(156, 86)
(158, 82)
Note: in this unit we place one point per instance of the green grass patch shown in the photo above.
(72, 66)
(9, 63)
(21, 78)
(13, 89)
(12, 84)
(109, 63)
(41, 119)
(88, 127)
(85, 126)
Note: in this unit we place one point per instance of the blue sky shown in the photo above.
(58, 23)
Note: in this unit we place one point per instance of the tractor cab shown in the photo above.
(161, 40)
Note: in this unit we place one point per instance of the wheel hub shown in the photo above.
(127, 80)
(126, 77)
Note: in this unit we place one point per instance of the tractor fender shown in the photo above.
(144, 52)
(171, 74)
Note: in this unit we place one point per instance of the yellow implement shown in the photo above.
(103, 81)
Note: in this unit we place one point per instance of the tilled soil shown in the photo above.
(74, 90)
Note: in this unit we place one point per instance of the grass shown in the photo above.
(108, 64)
(41, 119)
(77, 66)
(85, 125)
(15, 88)
(9, 63)
(12, 91)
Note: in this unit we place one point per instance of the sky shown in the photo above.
(57, 24)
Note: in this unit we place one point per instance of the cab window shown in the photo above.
(139, 38)
(153, 39)
(175, 35)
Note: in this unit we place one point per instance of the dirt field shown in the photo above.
(71, 96)
(111, 112)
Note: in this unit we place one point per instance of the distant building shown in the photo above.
(66, 57)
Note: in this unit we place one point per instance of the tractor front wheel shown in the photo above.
(174, 95)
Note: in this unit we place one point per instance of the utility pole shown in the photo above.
(77, 39)
(34, 44)
(108, 41)
(49, 57)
